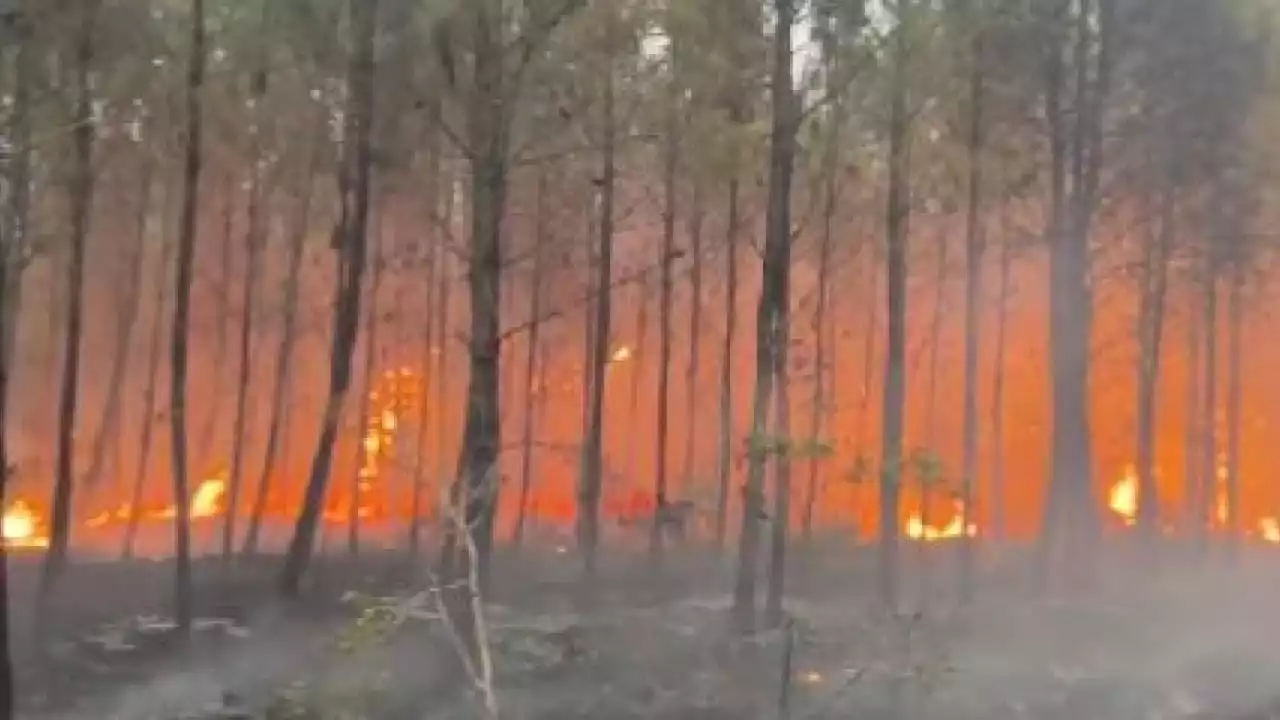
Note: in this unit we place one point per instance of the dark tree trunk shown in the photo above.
(360, 483)
(128, 301)
(781, 525)
(248, 298)
(532, 389)
(1155, 280)
(432, 334)
(670, 172)
(896, 220)
(592, 480)
(277, 428)
(1207, 513)
(724, 464)
(354, 181)
(1194, 485)
(182, 313)
(999, 518)
(771, 319)
(831, 161)
(696, 213)
(81, 201)
(142, 471)
(1235, 322)
(204, 442)
(975, 255)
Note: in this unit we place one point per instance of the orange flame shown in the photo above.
(916, 528)
(1123, 496)
(21, 526)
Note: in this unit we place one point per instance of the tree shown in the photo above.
(81, 201)
(350, 240)
(896, 218)
(771, 318)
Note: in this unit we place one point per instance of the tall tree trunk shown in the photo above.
(896, 221)
(781, 525)
(975, 256)
(831, 161)
(532, 388)
(280, 394)
(1155, 280)
(432, 334)
(18, 173)
(13, 232)
(81, 201)
(128, 301)
(696, 213)
(258, 196)
(360, 482)
(1207, 514)
(182, 313)
(142, 471)
(222, 319)
(1194, 484)
(771, 319)
(590, 492)
(724, 464)
(352, 231)
(639, 356)
(670, 172)
(999, 518)
(475, 492)
(1235, 357)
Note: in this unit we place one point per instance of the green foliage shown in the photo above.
(764, 446)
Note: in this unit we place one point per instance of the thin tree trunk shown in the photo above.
(1155, 280)
(1193, 482)
(1235, 357)
(142, 471)
(432, 334)
(781, 525)
(249, 296)
(476, 490)
(696, 212)
(277, 427)
(13, 231)
(182, 313)
(533, 389)
(360, 483)
(771, 321)
(81, 200)
(975, 256)
(129, 300)
(354, 179)
(896, 221)
(831, 164)
(638, 358)
(670, 172)
(724, 465)
(222, 319)
(589, 493)
(1208, 515)
(999, 522)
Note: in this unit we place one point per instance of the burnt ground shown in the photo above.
(1181, 640)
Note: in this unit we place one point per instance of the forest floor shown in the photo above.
(1162, 643)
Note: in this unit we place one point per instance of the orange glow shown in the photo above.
(1269, 530)
(22, 526)
(916, 528)
(1122, 499)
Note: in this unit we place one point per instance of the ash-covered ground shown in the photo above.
(1181, 638)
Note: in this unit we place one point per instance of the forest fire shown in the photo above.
(917, 529)
(22, 527)
(1122, 498)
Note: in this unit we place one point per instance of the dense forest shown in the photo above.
(905, 302)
